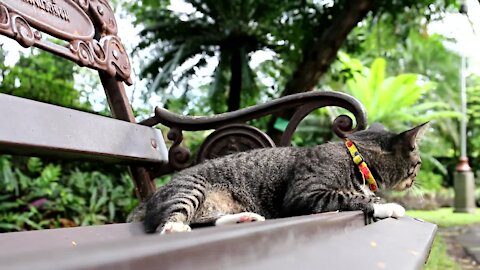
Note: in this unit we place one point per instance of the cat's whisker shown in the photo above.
(418, 192)
(419, 188)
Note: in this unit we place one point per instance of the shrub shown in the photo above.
(37, 196)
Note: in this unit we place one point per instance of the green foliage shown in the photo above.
(473, 124)
(181, 42)
(38, 193)
(43, 196)
(393, 101)
(185, 41)
(315, 129)
(428, 56)
(473, 113)
(43, 77)
(404, 42)
(431, 175)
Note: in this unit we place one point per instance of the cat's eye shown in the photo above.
(413, 166)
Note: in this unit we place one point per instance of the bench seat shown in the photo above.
(323, 241)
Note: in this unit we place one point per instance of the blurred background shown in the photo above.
(401, 59)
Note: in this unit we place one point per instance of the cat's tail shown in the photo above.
(176, 202)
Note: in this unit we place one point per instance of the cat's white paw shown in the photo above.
(388, 210)
(398, 210)
(173, 227)
(239, 218)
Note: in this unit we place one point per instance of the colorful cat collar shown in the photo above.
(362, 166)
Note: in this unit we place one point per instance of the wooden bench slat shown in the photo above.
(18, 243)
(325, 241)
(34, 128)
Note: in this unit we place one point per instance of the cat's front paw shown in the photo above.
(243, 217)
(173, 227)
(388, 210)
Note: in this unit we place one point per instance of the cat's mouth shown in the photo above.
(405, 184)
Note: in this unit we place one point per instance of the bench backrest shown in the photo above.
(88, 31)
(87, 34)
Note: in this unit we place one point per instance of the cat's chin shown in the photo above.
(399, 189)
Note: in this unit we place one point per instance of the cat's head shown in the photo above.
(394, 158)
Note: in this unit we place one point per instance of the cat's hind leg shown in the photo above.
(176, 222)
(169, 227)
(173, 227)
(243, 217)
(173, 207)
(221, 208)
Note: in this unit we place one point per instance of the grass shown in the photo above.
(443, 217)
(438, 259)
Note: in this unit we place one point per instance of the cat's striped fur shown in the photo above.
(285, 181)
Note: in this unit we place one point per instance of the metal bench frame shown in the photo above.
(88, 31)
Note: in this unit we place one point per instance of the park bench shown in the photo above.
(88, 31)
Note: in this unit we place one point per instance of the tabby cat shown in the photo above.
(285, 181)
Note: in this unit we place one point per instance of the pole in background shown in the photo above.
(464, 182)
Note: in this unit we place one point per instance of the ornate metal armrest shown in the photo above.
(233, 135)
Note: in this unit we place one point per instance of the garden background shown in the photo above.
(401, 59)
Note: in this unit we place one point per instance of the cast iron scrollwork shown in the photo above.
(23, 33)
(232, 139)
(116, 58)
(228, 123)
(104, 52)
(83, 4)
(4, 17)
(108, 54)
(84, 52)
(342, 125)
(178, 155)
(102, 14)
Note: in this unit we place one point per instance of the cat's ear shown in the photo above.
(410, 137)
(376, 127)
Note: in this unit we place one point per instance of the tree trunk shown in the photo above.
(235, 80)
(318, 58)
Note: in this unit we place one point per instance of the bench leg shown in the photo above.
(121, 109)
(144, 186)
